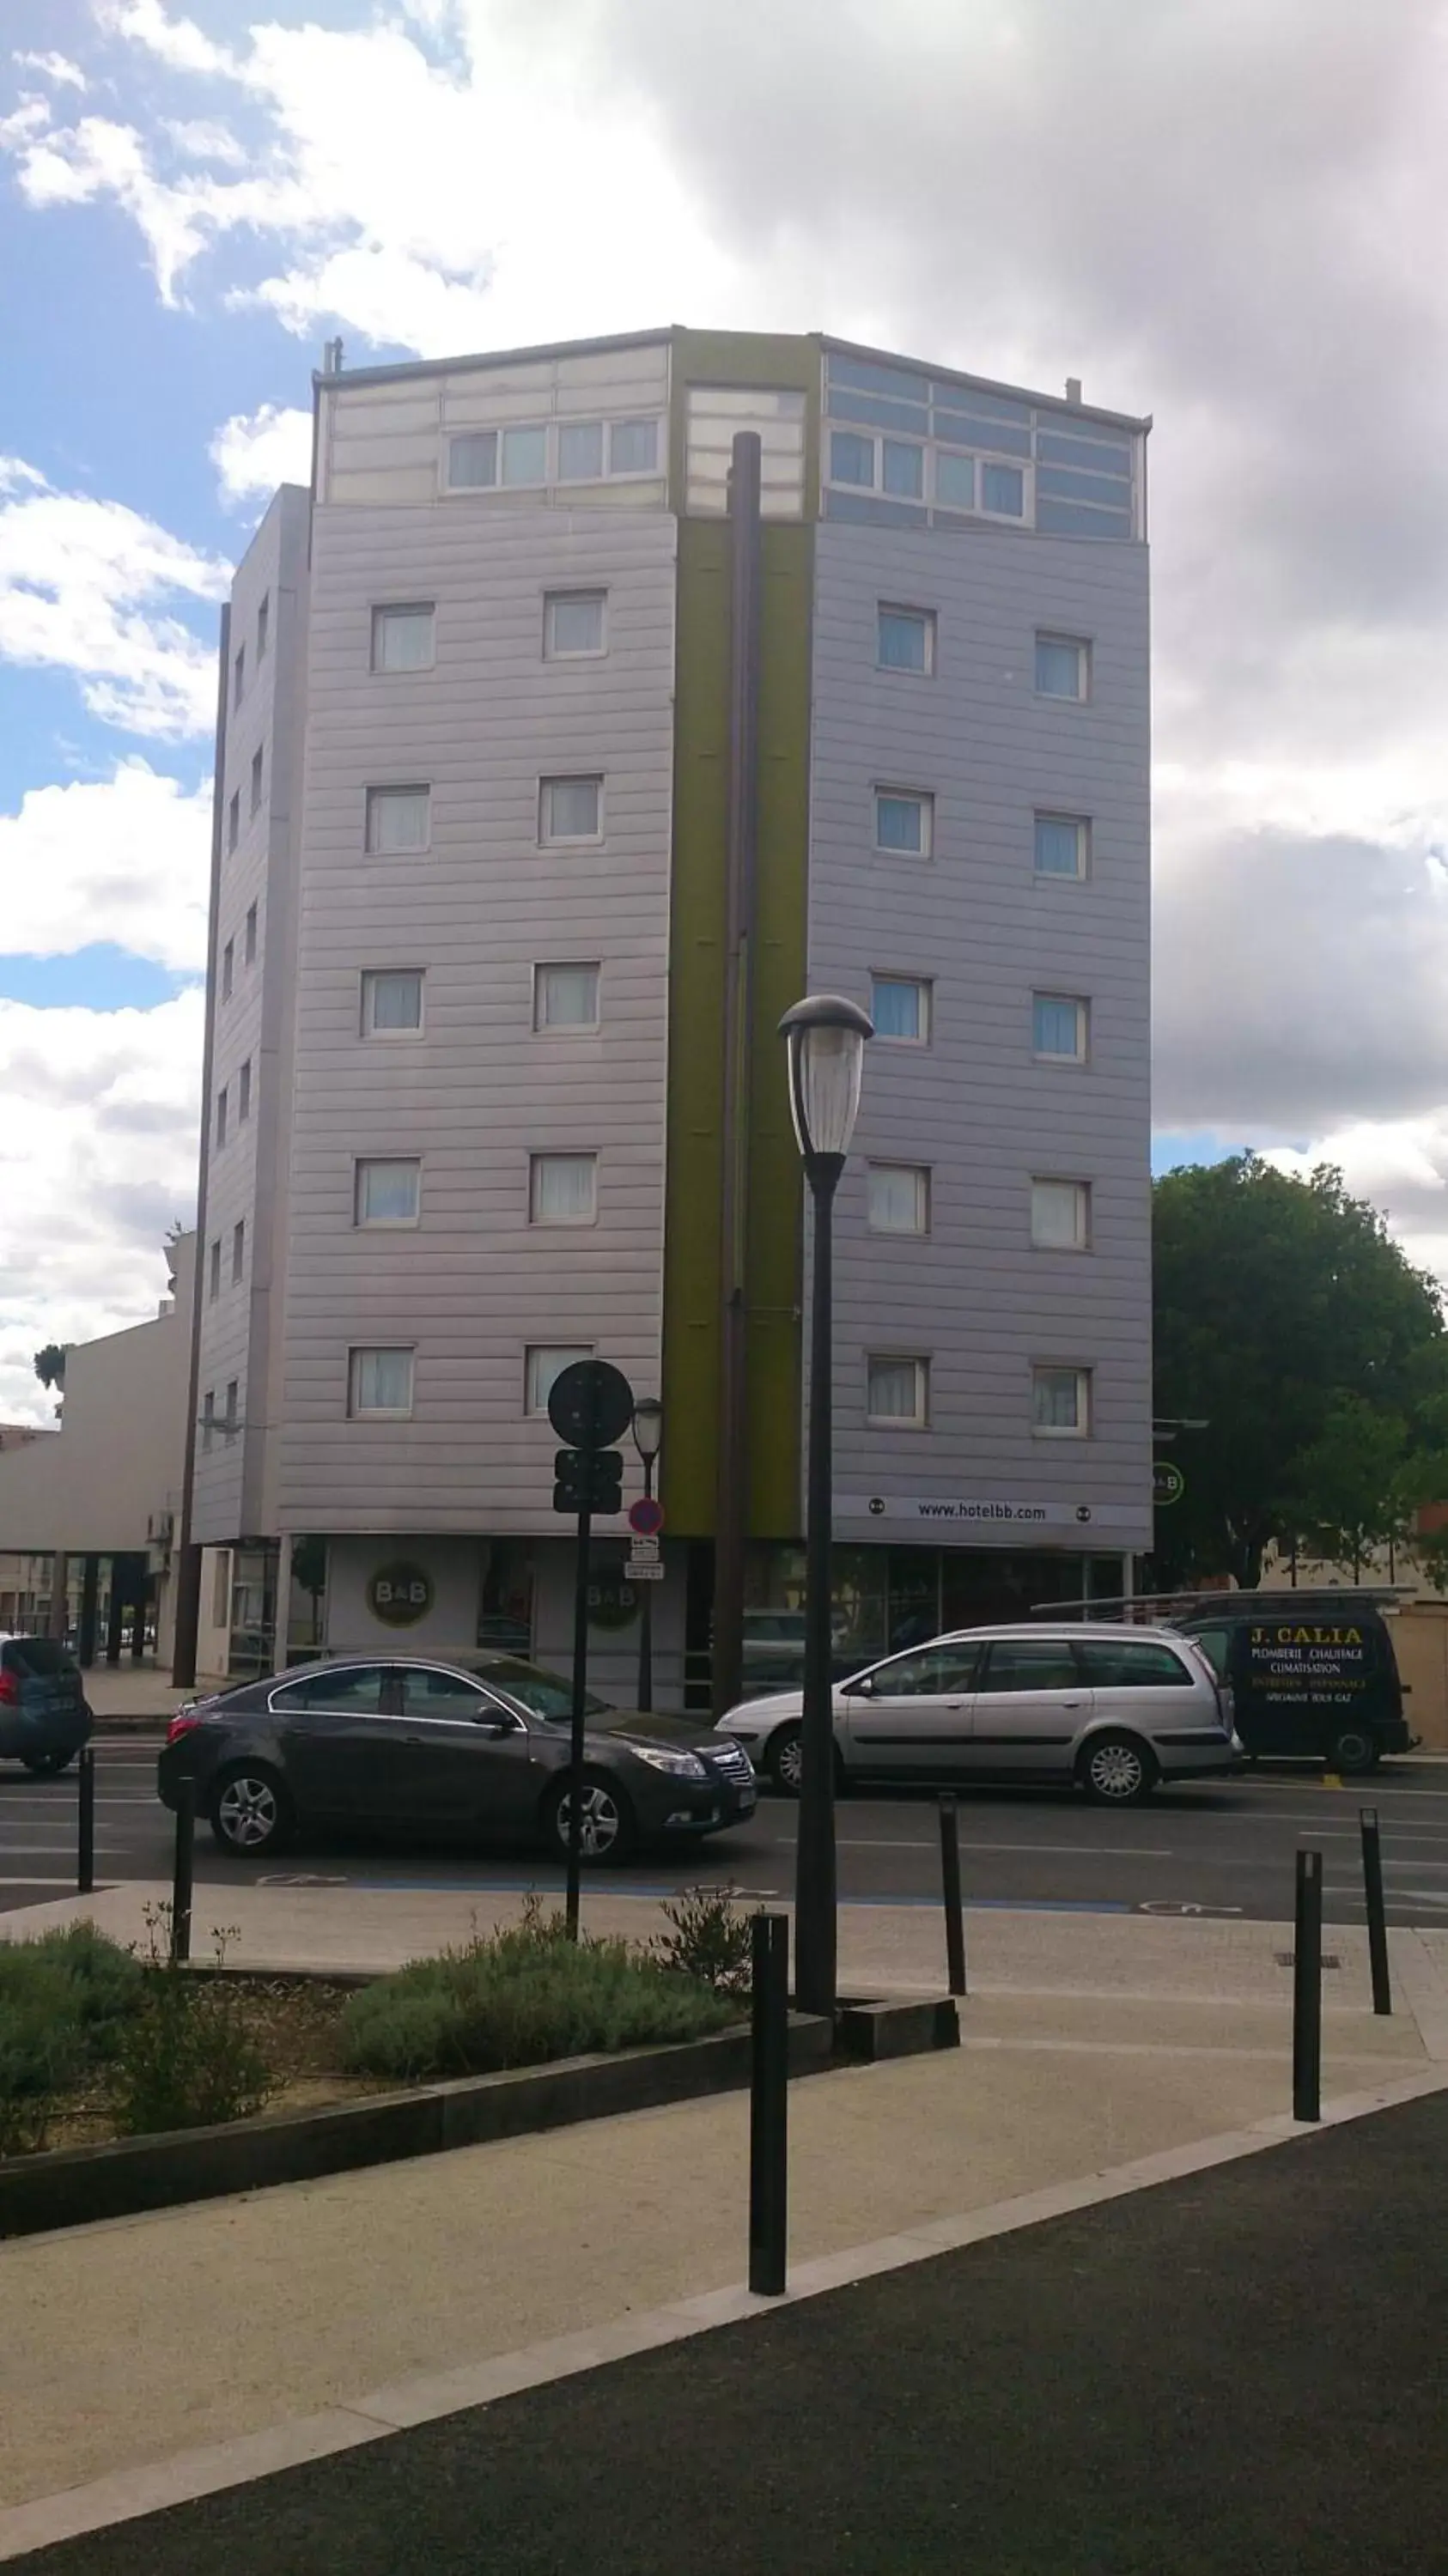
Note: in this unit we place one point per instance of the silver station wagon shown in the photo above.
(1111, 1708)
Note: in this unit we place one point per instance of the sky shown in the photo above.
(1226, 213)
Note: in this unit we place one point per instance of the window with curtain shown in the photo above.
(1061, 1215)
(570, 809)
(580, 451)
(543, 1363)
(1062, 845)
(633, 446)
(562, 1189)
(905, 639)
(1003, 491)
(572, 623)
(525, 455)
(402, 638)
(900, 1007)
(565, 997)
(904, 821)
(472, 462)
(954, 480)
(391, 1001)
(398, 819)
(1061, 1401)
(898, 1198)
(1063, 666)
(380, 1381)
(897, 1390)
(852, 458)
(1058, 1026)
(904, 469)
(388, 1190)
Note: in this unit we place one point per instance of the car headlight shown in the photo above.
(682, 1766)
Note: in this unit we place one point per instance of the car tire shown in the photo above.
(784, 1761)
(46, 1765)
(1117, 1771)
(610, 1832)
(250, 1814)
(1353, 1751)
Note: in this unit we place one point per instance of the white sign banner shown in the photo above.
(964, 1512)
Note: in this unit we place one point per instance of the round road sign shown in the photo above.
(590, 1404)
(646, 1516)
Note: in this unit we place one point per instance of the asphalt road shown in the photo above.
(1204, 1848)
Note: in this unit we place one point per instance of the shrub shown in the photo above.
(709, 1939)
(187, 2059)
(520, 1998)
(64, 2001)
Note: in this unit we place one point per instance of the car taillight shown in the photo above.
(9, 1691)
(180, 1726)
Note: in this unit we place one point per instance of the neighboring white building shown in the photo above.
(468, 1116)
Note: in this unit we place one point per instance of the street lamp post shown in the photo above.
(826, 1038)
(648, 1432)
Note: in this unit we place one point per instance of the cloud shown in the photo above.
(88, 586)
(124, 859)
(255, 451)
(53, 67)
(1400, 1166)
(87, 1182)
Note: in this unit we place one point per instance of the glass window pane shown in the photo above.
(1059, 1025)
(633, 446)
(898, 1006)
(904, 469)
(580, 451)
(1020, 1664)
(1003, 488)
(397, 818)
(955, 480)
(852, 459)
(902, 823)
(575, 622)
(1060, 1214)
(402, 639)
(1060, 667)
(382, 1381)
(1138, 1665)
(392, 999)
(898, 1198)
(388, 1192)
(525, 456)
(563, 1189)
(545, 1362)
(896, 1391)
(472, 463)
(1060, 845)
(936, 1673)
(1059, 1396)
(906, 639)
(566, 997)
(570, 809)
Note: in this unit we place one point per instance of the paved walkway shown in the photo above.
(1239, 2371)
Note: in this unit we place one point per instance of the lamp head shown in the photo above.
(826, 1037)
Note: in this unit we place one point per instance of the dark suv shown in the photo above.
(44, 1715)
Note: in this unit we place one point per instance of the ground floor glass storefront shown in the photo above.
(888, 1598)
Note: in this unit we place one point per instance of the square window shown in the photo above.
(233, 821)
(572, 623)
(852, 458)
(1003, 490)
(250, 950)
(955, 480)
(213, 1278)
(379, 1381)
(904, 821)
(1063, 844)
(898, 1392)
(1059, 1027)
(580, 451)
(208, 1416)
(392, 1002)
(263, 622)
(1061, 1215)
(388, 1191)
(243, 1094)
(905, 640)
(238, 1250)
(238, 676)
(904, 469)
(1061, 1402)
(633, 446)
(900, 1008)
(221, 1115)
(543, 1363)
(562, 1189)
(1063, 667)
(472, 462)
(399, 819)
(402, 638)
(899, 1198)
(565, 997)
(232, 1423)
(256, 782)
(228, 969)
(525, 456)
(570, 809)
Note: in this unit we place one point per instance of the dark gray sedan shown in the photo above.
(477, 1748)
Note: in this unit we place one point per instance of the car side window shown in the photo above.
(1133, 1665)
(1216, 1645)
(932, 1673)
(343, 1689)
(451, 1695)
(1029, 1664)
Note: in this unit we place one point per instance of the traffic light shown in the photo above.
(588, 1480)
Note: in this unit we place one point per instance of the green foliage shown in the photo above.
(49, 1364)
(64, 2003)
(520, 1998)
(1287, 1316)
(187, 2059)
(709, 1939)
(309, 1565)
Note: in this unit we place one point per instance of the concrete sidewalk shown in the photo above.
(129, 1695)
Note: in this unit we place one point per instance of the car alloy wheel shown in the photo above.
(784, 1761)
(248, 1812)
(1116, 1771)
(601, 1826)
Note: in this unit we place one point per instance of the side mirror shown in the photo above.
(493, 1726)
(864, 1688)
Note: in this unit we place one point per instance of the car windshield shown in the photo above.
(37, 1656)
(545, 1695)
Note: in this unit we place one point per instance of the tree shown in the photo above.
(1281, 1307)
(50, 1364)
(1353, 1484)
(309, 1569)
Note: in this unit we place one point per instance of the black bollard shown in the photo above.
(181, 1880)
(769, 2106)
(1307, 1990)
(950, 1892)
(1377, 1915)
(85, 1862)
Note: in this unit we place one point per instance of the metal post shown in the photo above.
(814, 1905)
(646, 1617)
(182, 1878)
(950, 1892)
(580, 1695)
(769, 2106)
(1307, 1990)
(1377, 1917)
(85, 1865)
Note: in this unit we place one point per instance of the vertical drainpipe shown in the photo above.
(732, 1497)
(188, 1556)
